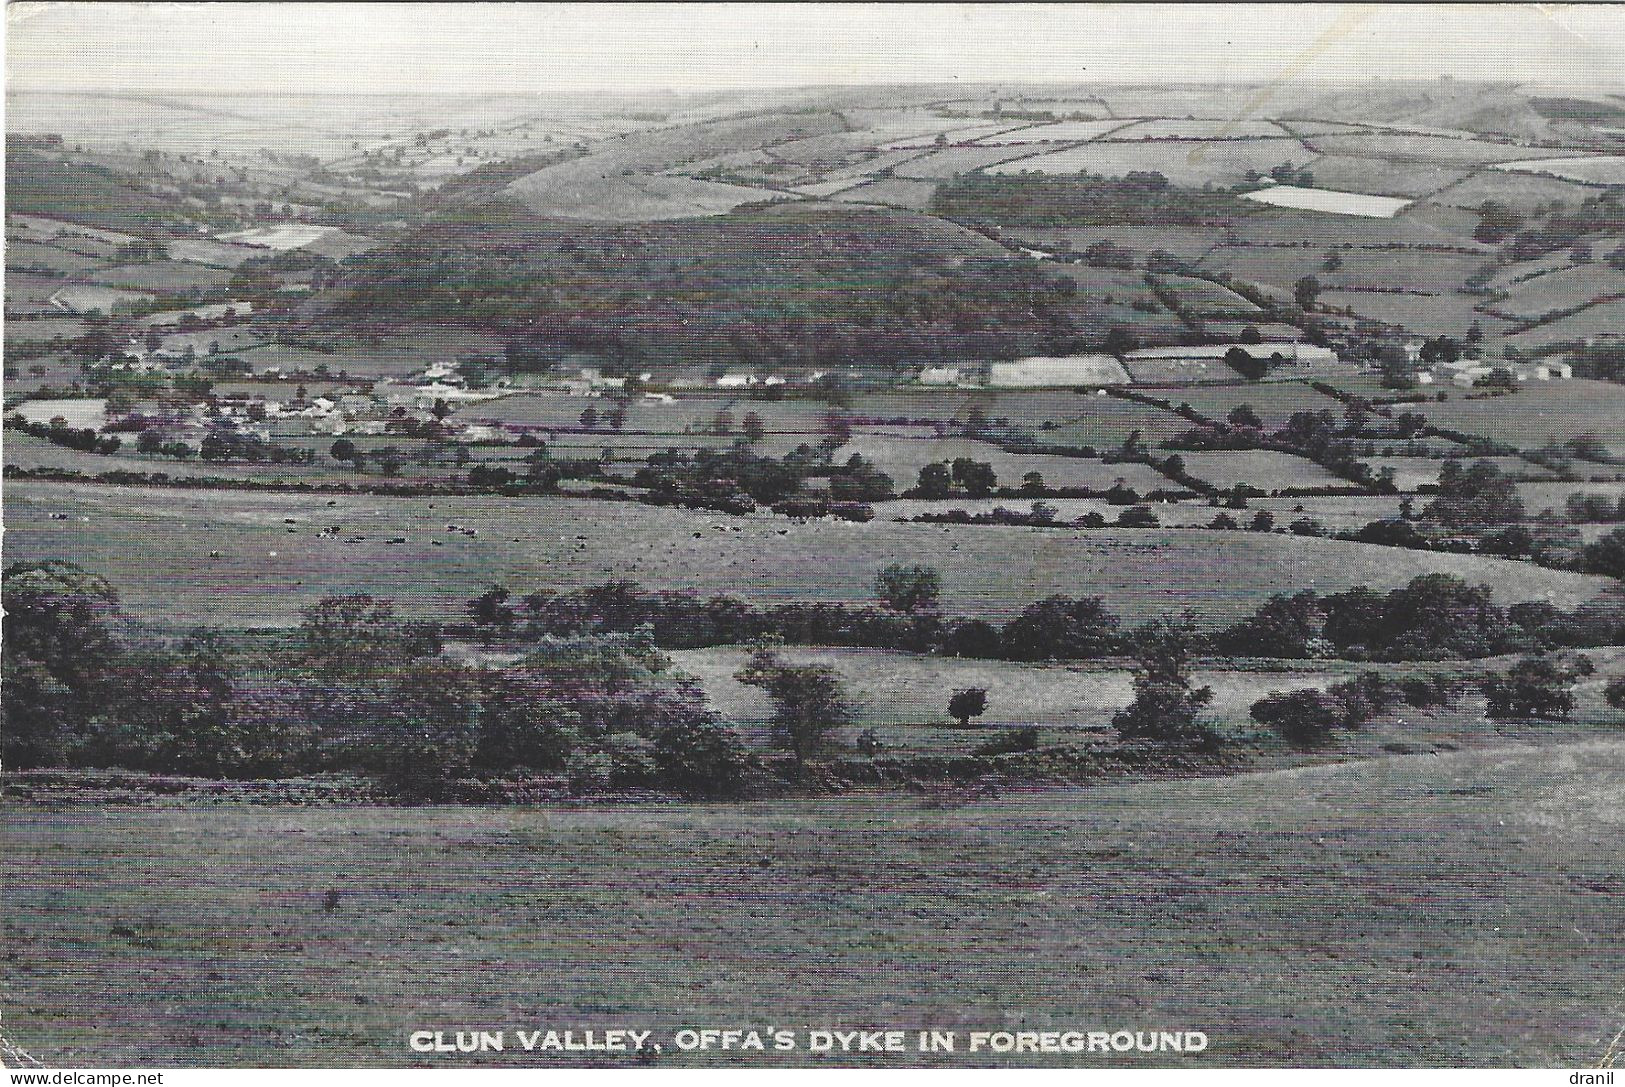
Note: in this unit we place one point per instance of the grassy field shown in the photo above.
(1382, 177)
(1274, 401)
(155, 545)
(1603, 320)
(1561, 290)
(902, 459)
(1444, 314)
(1183, 162)
(1540, 412)
(1206, 299)
(1264, 469)
(164, 277)
(904, 696)
(1456, 909)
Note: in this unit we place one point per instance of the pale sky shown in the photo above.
(561, 48)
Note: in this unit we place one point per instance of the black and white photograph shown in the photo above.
(568, 536)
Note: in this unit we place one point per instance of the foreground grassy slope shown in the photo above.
(156, 545)
(1463, 908)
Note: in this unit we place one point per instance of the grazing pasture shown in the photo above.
(1205, 298)
(1539, 413)
(1280, 266)
(1059, 132)
(1183, 162)
(904, 696)
(1412, 269)
(1200, 129)
(44, 329)
(902, 459)
(893, 192)
(1525, 192)
(1605, 320)
(1539, 497)
(1334, 512)
(48, 259)
(1261, 468)
(1441, 150)
(163, 277)
(28, 293)
(1383, 177)
(1594, 169)
(953, 161)
(1187, 243)
(84, 297)
(1273, 401)
(1562, 290)
(155, 545)
(674, 914)
(1447, 314)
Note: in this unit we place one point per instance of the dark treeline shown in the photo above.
(1049, 200)
(357, 691)
(1434, 617)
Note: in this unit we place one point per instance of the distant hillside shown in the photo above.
(621, 181)
(782, 287)
(40, 185)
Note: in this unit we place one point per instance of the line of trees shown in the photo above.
(1433, 617)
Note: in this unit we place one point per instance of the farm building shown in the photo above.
(939, 375)
(1542, 371)
(1063, 370)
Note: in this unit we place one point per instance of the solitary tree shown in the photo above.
(1166, 708)
(977, 477)
(809, 701)
(1243, 415)
(491, 608)
(971, 702)
(908, 588)
(1305, 291)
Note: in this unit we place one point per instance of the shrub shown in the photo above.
(1534, 687)
(1614, 693)
(1305, 718)
(1012, 742)
(968, 703)
(908, 588)
(631, 760)
(700, 758)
